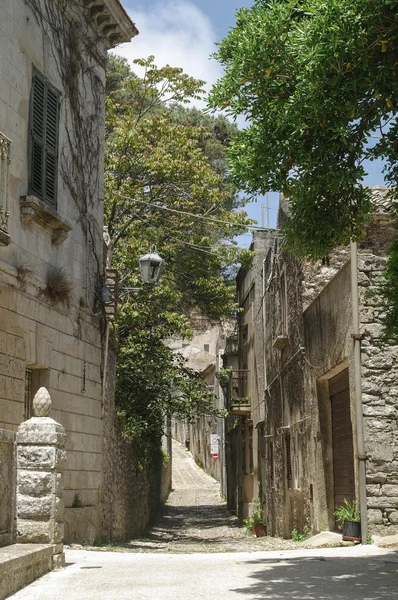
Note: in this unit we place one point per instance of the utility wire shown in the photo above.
(189, 214)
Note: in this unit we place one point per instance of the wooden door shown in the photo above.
(343, 451)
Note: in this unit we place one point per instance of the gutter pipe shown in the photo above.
(356, 335)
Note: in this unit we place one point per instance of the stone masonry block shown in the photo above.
(59, 510)
(59, 532)
(373, 490)
(382, 502)
(33, 483)
(379, 411)
(375, 516)
(35, 532)
(59, 484)
(393, 517)
(370, 389)
(60, 458)
(36, 457)
(59, 561)
(389, 490)
(30, 507)
(58, 548)
(41, 430)
(382, 361)
(376, 477)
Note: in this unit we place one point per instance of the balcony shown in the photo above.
(237, 392)
(5, 160)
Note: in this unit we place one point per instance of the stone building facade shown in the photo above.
(52, 322)
(307, 423)
(203, 354)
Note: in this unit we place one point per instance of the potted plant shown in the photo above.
(348, 517)
(254, 523)
(224, 376)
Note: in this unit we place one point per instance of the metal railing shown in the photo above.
(5, 160)
(236, 389)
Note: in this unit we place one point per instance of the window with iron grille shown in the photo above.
(28, 394)
(43, 139)
(283, 304)
(288, 460)
(251, 464)
(297, 460)
(243, 447)
(271, 463)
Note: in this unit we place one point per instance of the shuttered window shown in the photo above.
(43, 139)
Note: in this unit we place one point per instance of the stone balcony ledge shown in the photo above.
(34, 209)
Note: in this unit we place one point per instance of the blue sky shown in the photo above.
(184, 33)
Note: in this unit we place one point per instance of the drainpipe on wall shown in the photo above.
(358, 391)
(105, 369)
(264, 330)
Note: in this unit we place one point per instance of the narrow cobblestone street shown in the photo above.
(196, 519)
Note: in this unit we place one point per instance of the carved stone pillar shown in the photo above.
(40, 463)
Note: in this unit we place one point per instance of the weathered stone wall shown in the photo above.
(285, 507)
(130, 493)
(60, 342)
(252, 291)
(7, 486)
(318, 347)
(380, 401)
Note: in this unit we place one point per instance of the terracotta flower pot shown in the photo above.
(259, 530)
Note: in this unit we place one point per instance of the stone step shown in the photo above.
(20, 564)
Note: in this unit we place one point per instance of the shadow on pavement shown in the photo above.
(324, 578)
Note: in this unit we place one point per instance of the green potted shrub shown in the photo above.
(254, 523)
(224, 376)
(348, 518)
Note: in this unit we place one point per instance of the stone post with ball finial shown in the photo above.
(40, 464)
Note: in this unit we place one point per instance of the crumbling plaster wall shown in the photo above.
(327, 325)
(284, 399)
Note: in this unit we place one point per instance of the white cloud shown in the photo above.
(177, 33)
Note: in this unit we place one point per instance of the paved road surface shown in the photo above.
(355, 573)
(198, 551)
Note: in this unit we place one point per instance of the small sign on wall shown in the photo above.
(214, 445)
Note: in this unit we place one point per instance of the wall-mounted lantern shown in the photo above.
(151, 266)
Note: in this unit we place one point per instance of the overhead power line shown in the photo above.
(196, 216)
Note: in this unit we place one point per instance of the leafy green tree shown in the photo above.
(157, 158)
(317, 79)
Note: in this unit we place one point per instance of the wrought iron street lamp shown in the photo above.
(151, 266)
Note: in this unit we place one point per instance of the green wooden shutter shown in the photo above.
(36, 138)
(51, 145)
(43, 139)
